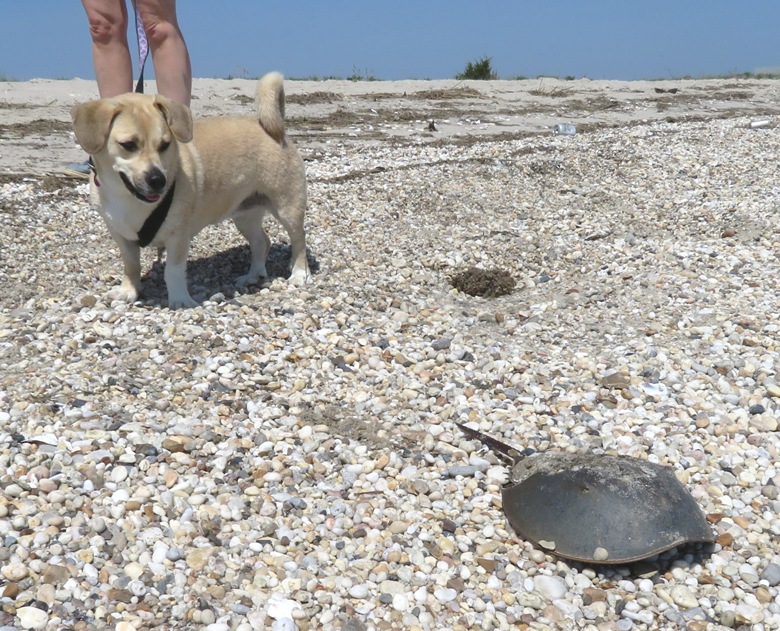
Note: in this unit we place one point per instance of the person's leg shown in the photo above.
(169, 51)
(110, 53)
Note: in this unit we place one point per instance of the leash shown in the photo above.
(153, 222)
(143, 48)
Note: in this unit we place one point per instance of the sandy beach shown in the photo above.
(288, 458)
(36, 134)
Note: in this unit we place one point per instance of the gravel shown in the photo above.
(287, 458)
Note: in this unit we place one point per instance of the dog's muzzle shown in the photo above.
(155, 181)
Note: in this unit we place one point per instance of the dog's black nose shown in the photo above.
(155, 180)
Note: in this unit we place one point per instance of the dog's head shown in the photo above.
(134, 136)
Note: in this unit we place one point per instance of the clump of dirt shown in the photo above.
(487, 283)
(446, 94)
(555, 92)
(313, 98)
(38, 127)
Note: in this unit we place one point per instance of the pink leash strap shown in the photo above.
(143, 48)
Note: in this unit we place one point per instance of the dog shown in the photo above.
(159, 179)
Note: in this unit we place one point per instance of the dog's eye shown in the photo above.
(129, 145)
(164, 145)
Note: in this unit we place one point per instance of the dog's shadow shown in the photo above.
(216, 274)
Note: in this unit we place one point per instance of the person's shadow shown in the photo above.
(216, 274)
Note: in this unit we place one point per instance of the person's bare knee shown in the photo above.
(107, 22)
(159, 31)
(104, 32)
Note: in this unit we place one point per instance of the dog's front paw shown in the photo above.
(251, 279)
(123, 293)
(299, 277)
(181, 302)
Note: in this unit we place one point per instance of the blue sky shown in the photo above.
(600, 39)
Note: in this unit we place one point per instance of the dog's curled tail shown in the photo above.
(270, 105)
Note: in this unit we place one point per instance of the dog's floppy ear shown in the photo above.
(92, 122)
(178, 117)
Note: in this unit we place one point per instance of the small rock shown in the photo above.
(13, 490)
(280, 607)
(488, 564)
(550, 587)
(616, 380)
(398, 527)
(441, 344)
(284, 624)
(400, 602)
(747, 614)
(55, 574)
(773, 390)
(600, 554)
(176, 444)
(456, 583)
(119, 595)
(15, 572)
(119, 474)
(771, 574)
(466, 471)
(445, 595)
(683, 597)
(174, 554)
(358, 591)
(763, 595)
(748, 574)
(133, 570)
(592, 595)
(46, 593)
(725, 540)
(392, 587)
(353, 624)
(532, 600)
(32, 617)
(198, 558)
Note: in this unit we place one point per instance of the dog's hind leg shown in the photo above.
(291, 218)
(176, 273)
(249, 222)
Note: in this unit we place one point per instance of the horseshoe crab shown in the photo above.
(597, 508)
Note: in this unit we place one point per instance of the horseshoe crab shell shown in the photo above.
(604, 509)
(599, 508)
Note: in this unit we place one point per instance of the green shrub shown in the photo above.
(480, 70)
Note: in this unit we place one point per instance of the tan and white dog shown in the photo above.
(160, 179)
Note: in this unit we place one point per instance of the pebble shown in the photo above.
(550, 587)
(32, 617)
(645, 585)
(281, 456)
(445, 595)
(284, 624)
(683, 597)
(359, 591)
(771, 574)
(400, 602)
(14, 572)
